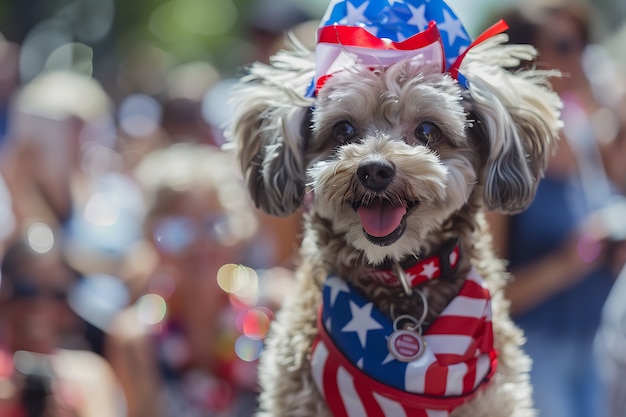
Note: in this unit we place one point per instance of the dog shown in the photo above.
(394, 151)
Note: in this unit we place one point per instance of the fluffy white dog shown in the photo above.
(398, 308)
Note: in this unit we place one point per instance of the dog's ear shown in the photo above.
(268, 129)
(517, 114)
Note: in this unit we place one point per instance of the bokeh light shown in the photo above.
(139, 115)
(98, 299)
(74, 56)
(40, 237)
(151, 309)
(248, 349)
(255, 322)
(240, 281)
(102, 209)
(93, 19)
(180, 18)
(215, 108)
(41, 41)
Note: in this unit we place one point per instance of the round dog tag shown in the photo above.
(406, 345)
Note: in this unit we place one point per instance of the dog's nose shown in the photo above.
(375, 175)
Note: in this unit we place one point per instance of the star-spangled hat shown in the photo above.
(381, 32)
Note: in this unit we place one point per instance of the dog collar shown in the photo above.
(443, 264)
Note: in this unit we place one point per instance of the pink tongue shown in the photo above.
(380, 218)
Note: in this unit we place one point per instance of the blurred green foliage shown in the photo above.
(185, 29)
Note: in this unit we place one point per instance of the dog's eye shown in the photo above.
(428, 133)
(344, 131)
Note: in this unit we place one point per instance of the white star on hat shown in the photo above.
(355, 15)
(362, 321)
(453, 27)
(418, 17)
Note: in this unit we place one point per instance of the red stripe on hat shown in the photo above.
(358, 36)
(494, 30)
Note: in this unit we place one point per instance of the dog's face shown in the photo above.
(394, 159)
(392, 153)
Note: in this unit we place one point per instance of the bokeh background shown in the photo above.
(134, 46)
(106, 37)
(89, 88)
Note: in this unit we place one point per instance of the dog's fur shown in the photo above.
(496, 137)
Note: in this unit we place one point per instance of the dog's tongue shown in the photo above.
(381, 218)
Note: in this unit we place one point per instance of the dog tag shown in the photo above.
(406, 345)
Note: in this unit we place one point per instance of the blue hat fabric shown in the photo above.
(399, 20)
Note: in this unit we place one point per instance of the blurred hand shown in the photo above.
(12, 399)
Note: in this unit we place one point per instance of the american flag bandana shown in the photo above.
(381, 32)
(358, 376)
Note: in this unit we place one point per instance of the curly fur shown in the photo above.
(496, 137)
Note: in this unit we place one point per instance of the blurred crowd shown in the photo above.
(567, 249)
(136, 277)
(138, 280)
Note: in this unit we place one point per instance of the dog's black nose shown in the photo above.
(375, 175)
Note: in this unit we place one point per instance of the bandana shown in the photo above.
(355, 372)
(381, 32)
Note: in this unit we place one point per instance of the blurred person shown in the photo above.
(560, 250)
(610, 345)
(615, 151)
(62, 170)
(166, 107)
(50, 120)
(610, 341)
(274, 25)
(173, 349)
(7, 217)
(183, 118)
(38, 376)
(279, 238)
(269, 20)
(9, 80)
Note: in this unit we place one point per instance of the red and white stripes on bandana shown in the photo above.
(358, 376)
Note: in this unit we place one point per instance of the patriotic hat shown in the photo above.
(381, 32)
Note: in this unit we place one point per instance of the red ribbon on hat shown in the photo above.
(496, 29)
(355, 36)
(358, 36)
